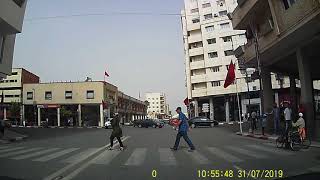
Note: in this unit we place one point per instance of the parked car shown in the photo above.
(130, 123)
(202, 121)
(107, 124)
(147, 123)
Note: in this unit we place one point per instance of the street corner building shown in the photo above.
(11, 21)
(87, 103)
(283, 37)
(157, 105)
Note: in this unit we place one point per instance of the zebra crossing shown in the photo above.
(138, 156)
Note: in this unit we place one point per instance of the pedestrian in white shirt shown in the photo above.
(288, 117)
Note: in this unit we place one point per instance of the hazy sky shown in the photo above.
(141, 53)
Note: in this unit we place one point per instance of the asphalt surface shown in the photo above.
(82, 154)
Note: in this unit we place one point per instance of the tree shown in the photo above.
(15, 110)
(65, 113)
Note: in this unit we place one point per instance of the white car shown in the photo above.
(107, 124)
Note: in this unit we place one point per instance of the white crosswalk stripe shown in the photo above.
(246, 152)
(38, 153)
(197, 157)
(4, 147)
(106, 157)
(224, 155)
(167, 157)
(137, 157)
(18, 152)
(10, 149)
(273, 150)
(81, 156)
(55, 155)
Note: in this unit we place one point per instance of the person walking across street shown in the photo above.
(182, 132)
(116, 132)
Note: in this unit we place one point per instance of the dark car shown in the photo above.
(202, 121)
(146, 123)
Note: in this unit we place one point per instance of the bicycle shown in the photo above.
(294, 141)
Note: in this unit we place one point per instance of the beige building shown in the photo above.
(11, 20)
(90, 103)
(11, 89)
(284, 35)
(158, 107)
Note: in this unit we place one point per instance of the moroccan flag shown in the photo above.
(231, 76)
(186, 101)
(106, 74)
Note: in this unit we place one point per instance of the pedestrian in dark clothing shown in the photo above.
(2, 126)
(183, 129)
(276, 118)
(116, 131)
(254, 121)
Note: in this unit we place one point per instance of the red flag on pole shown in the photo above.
(186, 101)
(231, 76)
(106, 74)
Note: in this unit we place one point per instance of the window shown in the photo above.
(196, 20)
(227, 39)
(48, 95)
(68, 94)
(206, 5)
(213, 54)
(288, 3)
(254, 88)
(194, 10)
(225, 25)
(210, 28)
(14, 73)
(223, 13)
(215, 83)
(90, 94)
(211, 41)
(215, 69)
(208, 16)
(228, 53)
(29, 95)
(2, 41)
(221, 3)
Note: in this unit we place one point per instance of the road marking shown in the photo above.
(137, 157)
(19, 152)
(76, 162)
(87, 164)
(167, 157)
(106, 157)
(35, 154)
(315, 169)
(55, 155)
(11, 149)
(81, 156)
(246, 152)
(224, 155)
(273, 150)
(197, 157)
(4, 147)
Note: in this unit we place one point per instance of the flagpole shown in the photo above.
(240, 121)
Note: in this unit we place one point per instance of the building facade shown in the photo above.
(11, 87)
(283, 37)
(158, 107)
(11, 20)
(87, 103)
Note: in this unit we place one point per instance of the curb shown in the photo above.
(59, 127)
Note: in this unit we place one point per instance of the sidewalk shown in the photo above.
(12, 136)
(15, 126)
(270, 137)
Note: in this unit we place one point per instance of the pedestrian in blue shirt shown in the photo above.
(183, 129)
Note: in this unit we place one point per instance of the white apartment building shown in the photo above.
(11, 20)
(209, 44)
(158, 107)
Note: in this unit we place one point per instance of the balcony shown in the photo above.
(197, 65)
(247, 10)
(196, 51)
(194, 38)
(199, 92)
(11, 24)
(198, 78)
(193, 26)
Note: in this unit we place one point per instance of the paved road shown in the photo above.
(81, 154)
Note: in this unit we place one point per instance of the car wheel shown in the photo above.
(193, 125)
(139, 126)
(212, 124)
